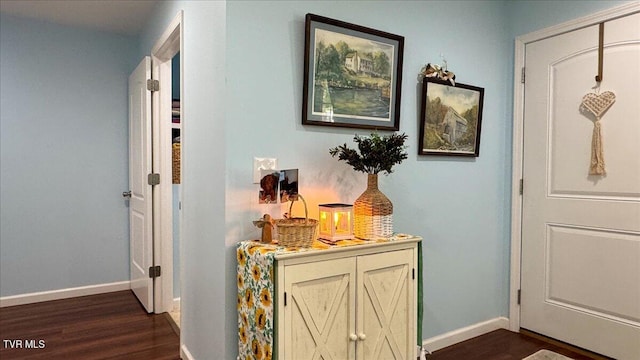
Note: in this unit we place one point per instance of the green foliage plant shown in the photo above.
(375, 153)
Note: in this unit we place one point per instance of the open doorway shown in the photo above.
(168, 141)
(176, 142)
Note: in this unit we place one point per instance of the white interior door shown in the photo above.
(140, 204)
(580, 232)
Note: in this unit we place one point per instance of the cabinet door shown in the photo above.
(319, 314)
(386, 317)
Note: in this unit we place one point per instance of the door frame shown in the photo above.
(165, 48)
(518, 136)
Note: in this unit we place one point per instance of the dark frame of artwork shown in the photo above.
(352, 75)
(450, 118)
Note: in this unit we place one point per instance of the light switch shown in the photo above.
(263, 164)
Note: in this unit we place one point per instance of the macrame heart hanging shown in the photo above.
(597, 104)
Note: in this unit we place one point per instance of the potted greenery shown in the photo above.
(373, 211)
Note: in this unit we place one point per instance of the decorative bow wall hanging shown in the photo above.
(440, 72)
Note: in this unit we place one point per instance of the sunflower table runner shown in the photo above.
(256, 281)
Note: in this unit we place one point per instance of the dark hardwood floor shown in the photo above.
(506, 345)
(104, 326)
(115, 326)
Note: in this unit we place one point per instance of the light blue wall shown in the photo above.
(63, 136)
(206, 320)
(531, 15)
(457, 205)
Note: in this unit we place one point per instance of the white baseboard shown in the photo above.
(466, 333)
(184, 353)
(63, 293)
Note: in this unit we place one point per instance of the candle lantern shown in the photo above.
(336, 221)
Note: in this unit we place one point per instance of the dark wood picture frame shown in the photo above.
(450, 118)
(352, 75)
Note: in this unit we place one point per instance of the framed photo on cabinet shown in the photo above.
(451, 118)
(352, 75)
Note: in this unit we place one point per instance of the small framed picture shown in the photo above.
(352, 75)
(451, 118)
(288, 185)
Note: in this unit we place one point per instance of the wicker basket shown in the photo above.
(297, 232)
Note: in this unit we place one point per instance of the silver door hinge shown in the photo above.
(154, 271)
(153, 179)
(519, 296)
(521, 186)
(153, 85)
(522, 76)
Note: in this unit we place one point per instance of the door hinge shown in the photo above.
(154, 271)
(521, 186)
(522, 76)
(153, 179)
(519, 296)
(285, 298)
(153, 85)
(413, 273)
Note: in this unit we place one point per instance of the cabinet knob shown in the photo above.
(353, 337)
(362, 336)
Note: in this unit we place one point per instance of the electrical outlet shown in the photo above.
(263, 164)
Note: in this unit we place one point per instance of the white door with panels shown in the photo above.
(140, 193)
(580, 273)
(150, 171)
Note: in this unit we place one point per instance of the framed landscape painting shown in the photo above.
(352, 75)
(451, 118)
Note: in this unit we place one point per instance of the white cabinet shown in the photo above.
(352, 303)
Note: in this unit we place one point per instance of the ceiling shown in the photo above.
(126, 17)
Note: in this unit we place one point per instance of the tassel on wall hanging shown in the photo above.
(597, 104)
